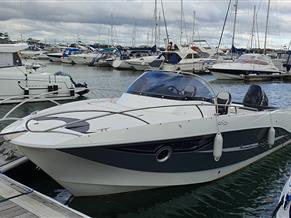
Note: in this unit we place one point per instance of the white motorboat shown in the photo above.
(84, 58)
(141, 64)
(55, 57)
(247, 64)
(168, 129)
(184, 59)
(18, 83)
(121, 62)
(283, 209)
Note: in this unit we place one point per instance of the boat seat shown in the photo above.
(223, 99)
(256, 98)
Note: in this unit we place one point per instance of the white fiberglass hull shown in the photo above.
(196, 67)
(117, 159)
(16, 87)
(284, 209)
(82, 59)
(86, 178)
(238, 70)
(120, 64)
(55, 57)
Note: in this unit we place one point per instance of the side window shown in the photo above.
(189, 56)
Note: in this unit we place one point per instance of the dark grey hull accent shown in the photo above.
(188, 154)
(240, 72)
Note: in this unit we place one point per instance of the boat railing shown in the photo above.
(107, 113)
(26, 99)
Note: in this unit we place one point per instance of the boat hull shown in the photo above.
(14, 84)
(116, 169)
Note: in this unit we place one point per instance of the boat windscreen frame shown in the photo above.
(177, 94)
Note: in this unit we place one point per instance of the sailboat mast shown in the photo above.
(111, 31)
(234, 24)
(165, 22)
(267, 24)
(193, 28)
(253, 28)
(181, 34)
(156, 21)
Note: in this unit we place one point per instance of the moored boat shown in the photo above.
(168, 129)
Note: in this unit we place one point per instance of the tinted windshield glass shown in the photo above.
(172, 86)
(252, 59)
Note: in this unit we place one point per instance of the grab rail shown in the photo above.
(125, 113)
(25, 100)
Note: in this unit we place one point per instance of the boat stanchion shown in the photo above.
(217, 146)
(26, 92)
(55, 86)
(271, 136)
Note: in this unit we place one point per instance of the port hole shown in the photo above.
(163, 154)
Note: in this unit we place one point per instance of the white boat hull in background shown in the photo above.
(120, 64)
(14, 81)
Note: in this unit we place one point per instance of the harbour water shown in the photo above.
(251, 192)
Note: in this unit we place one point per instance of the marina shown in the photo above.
(17, 200)
(145, 109)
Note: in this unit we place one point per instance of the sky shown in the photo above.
(131, 21)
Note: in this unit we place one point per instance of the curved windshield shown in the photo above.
(252, 59)
(171, 85)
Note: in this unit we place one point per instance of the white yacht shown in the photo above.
(247, 64)
(283, 209)
(18, 83)
(55, 56)
(184, 59)
(83, 58)
(141, 64)
(168, 129)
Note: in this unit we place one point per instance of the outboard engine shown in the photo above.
(255, 97)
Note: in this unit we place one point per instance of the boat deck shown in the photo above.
(10, 157)
(17, 200)
(267, 77)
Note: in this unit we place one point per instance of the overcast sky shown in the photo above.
(90, 20)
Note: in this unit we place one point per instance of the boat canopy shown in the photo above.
(172, 85)
(254, 59)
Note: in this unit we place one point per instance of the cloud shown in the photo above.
(91, 21)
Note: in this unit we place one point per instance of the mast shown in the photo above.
(156, 21)
(111, 31)
(223, 27)
(159, 30)
(181, 27)
(258, 36)
(193, 28)
(165, 22)
(253, 27)
(133, 33)
(234, 25)
(267, 24)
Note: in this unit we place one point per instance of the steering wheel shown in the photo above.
(174, 89)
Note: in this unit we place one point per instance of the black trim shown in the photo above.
(189, 154)
(239, 71)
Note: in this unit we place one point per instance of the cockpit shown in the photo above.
(172, 85)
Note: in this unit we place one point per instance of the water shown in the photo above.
(251, 192)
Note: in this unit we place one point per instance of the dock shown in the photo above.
(267, 77)
(17, 200)
(10, 157)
